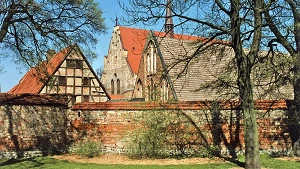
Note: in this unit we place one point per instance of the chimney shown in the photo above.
(169, 21)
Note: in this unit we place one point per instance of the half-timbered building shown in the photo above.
(66, 72)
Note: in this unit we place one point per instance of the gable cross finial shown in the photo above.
(117, 21)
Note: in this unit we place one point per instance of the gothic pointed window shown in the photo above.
(112, 87)
(139, 89)
(118, 86)
(151, 60)
(148, 64)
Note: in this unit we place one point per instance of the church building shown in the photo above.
(164, 66)
(122, 61)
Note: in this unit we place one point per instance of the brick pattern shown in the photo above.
(46, 127)
(33, 127)
(113, 120)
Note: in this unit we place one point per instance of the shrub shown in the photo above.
(148, 141)
(163, 134)
(88, 148)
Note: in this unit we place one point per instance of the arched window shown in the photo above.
(151, 60)
(148, 64)
(112, 86)
(152, 90)
(154, 62)
(118, 86)
(139, 89)
(154, 93)
(149, 93)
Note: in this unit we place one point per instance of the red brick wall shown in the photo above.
(111, 122)
(25, 126)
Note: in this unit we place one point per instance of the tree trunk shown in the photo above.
(296, 85)
(250, 125)
(244, 65)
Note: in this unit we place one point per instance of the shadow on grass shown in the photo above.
(24, 162)
(235, 161)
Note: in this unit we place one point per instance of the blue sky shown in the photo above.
(13, 73)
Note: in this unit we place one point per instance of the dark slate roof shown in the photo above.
(209, 67)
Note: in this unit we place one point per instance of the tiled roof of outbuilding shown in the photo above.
(34, 80)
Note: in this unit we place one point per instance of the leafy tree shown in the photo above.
(283, 19)
(239, 23)
(29, 28)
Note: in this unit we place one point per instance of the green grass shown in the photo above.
(48, 162)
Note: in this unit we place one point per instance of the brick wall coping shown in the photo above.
(186, 105)
(34, 99)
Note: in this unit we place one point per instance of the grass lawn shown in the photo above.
(48, 162)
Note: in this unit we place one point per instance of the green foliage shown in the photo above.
(209, 152)
(88, 148)
(148, 140)
(167, 134)
(26, 34)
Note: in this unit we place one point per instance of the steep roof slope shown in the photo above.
(133, 41)
(34, 80)
(195, 79)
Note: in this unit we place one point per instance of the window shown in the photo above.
(62, 80)
(148, 63)
(86, 98)
(71, 64)
(151, 60)
(140, 89)
(86, 81)
(154, 93)
(149, 93)
(118, 86)
(112, 87)
(78, 64)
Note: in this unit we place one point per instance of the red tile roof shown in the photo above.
(34, 80)
(133, 40)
